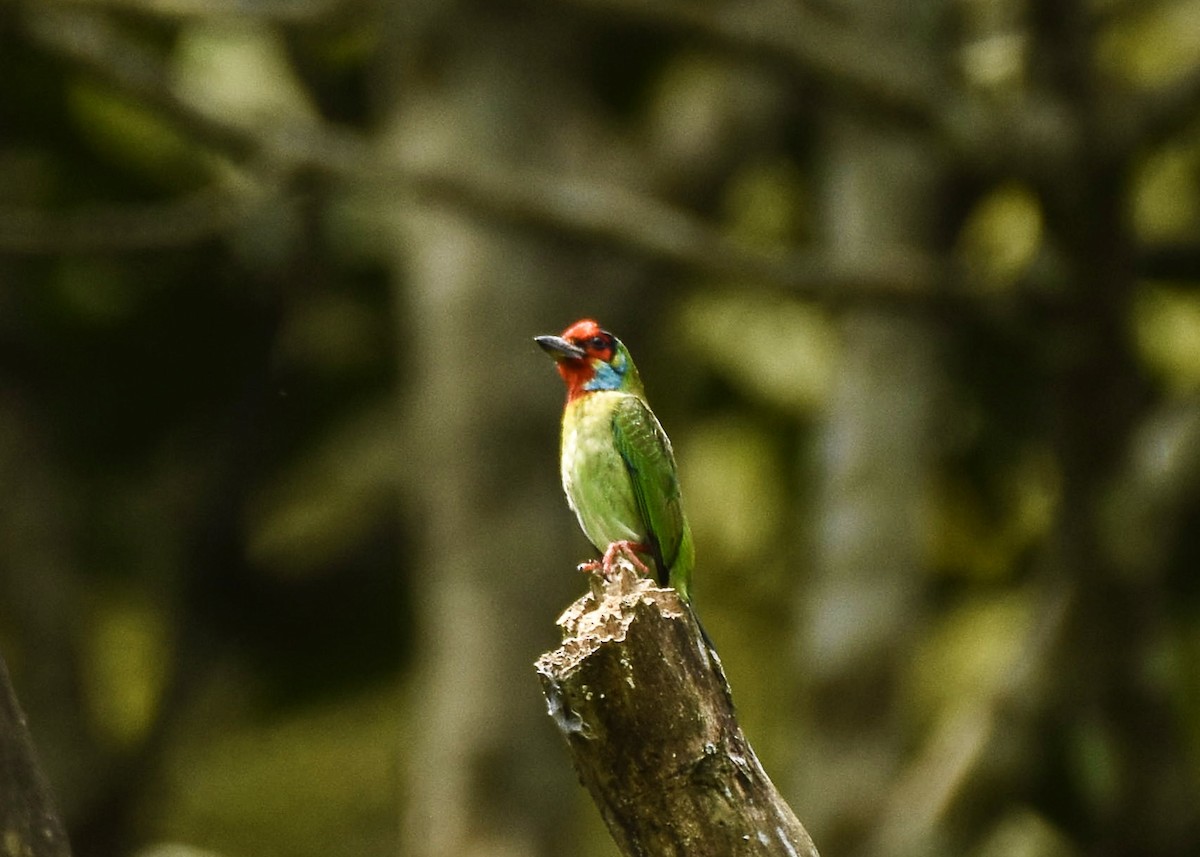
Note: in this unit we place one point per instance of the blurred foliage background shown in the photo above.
(913, 288)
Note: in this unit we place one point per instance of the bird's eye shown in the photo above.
(599, 342)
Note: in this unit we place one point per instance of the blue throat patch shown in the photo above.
(608, 375)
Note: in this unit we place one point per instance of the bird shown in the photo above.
(618, 468)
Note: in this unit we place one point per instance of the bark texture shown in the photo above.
(642, 700)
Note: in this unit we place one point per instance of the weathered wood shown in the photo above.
(642, 700)
(29, 822)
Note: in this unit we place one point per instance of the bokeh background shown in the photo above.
(914, 289)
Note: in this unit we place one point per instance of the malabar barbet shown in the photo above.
(618, 469)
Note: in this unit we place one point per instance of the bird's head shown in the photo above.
(591, 359)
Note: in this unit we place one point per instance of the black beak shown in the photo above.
(559, 348)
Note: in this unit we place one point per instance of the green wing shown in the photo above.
(647, 454)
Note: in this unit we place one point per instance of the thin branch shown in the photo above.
(631, 220)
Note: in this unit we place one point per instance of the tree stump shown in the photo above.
(640, 696)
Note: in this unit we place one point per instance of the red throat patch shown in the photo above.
(576, 373)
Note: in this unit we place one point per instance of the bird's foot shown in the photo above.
(607, 567)
(627, 550)
(603, 573)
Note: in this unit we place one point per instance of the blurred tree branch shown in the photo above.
(96, 44)
(1177, 261)
(627, 218)
(1032, 138)
(870, 69)
(291, 11)
(633, 220)
(642, 701)
(28, 815)
(957, 748)
(600, 211)
(1035, 136)
(874, 71)
(178, 222)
